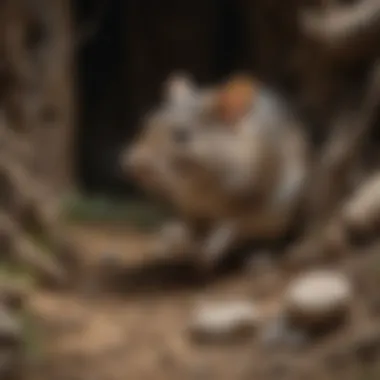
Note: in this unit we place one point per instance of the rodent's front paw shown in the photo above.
(174, 238)
(216, 245)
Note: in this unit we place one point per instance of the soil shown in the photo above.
(127, 318)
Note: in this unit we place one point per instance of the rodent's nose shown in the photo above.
(135, 162)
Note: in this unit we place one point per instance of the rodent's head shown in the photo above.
(155, 155)
(187, 132)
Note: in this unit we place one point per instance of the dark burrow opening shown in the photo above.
(100, 94)
(107, 114)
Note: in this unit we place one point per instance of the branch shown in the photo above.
(340, 26)
(343, 148)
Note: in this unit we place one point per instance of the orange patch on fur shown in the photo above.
(235, 98)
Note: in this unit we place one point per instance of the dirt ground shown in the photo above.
(132, 324)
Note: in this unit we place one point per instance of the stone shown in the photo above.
(317, 298)
(224, 321)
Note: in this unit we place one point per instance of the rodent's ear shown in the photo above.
(235, 98)
(179, 88)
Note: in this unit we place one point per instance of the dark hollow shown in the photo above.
(121, 66)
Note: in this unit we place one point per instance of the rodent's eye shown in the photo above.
(181, 135)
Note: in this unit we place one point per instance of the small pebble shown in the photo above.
(317, 298)
(224, 321)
